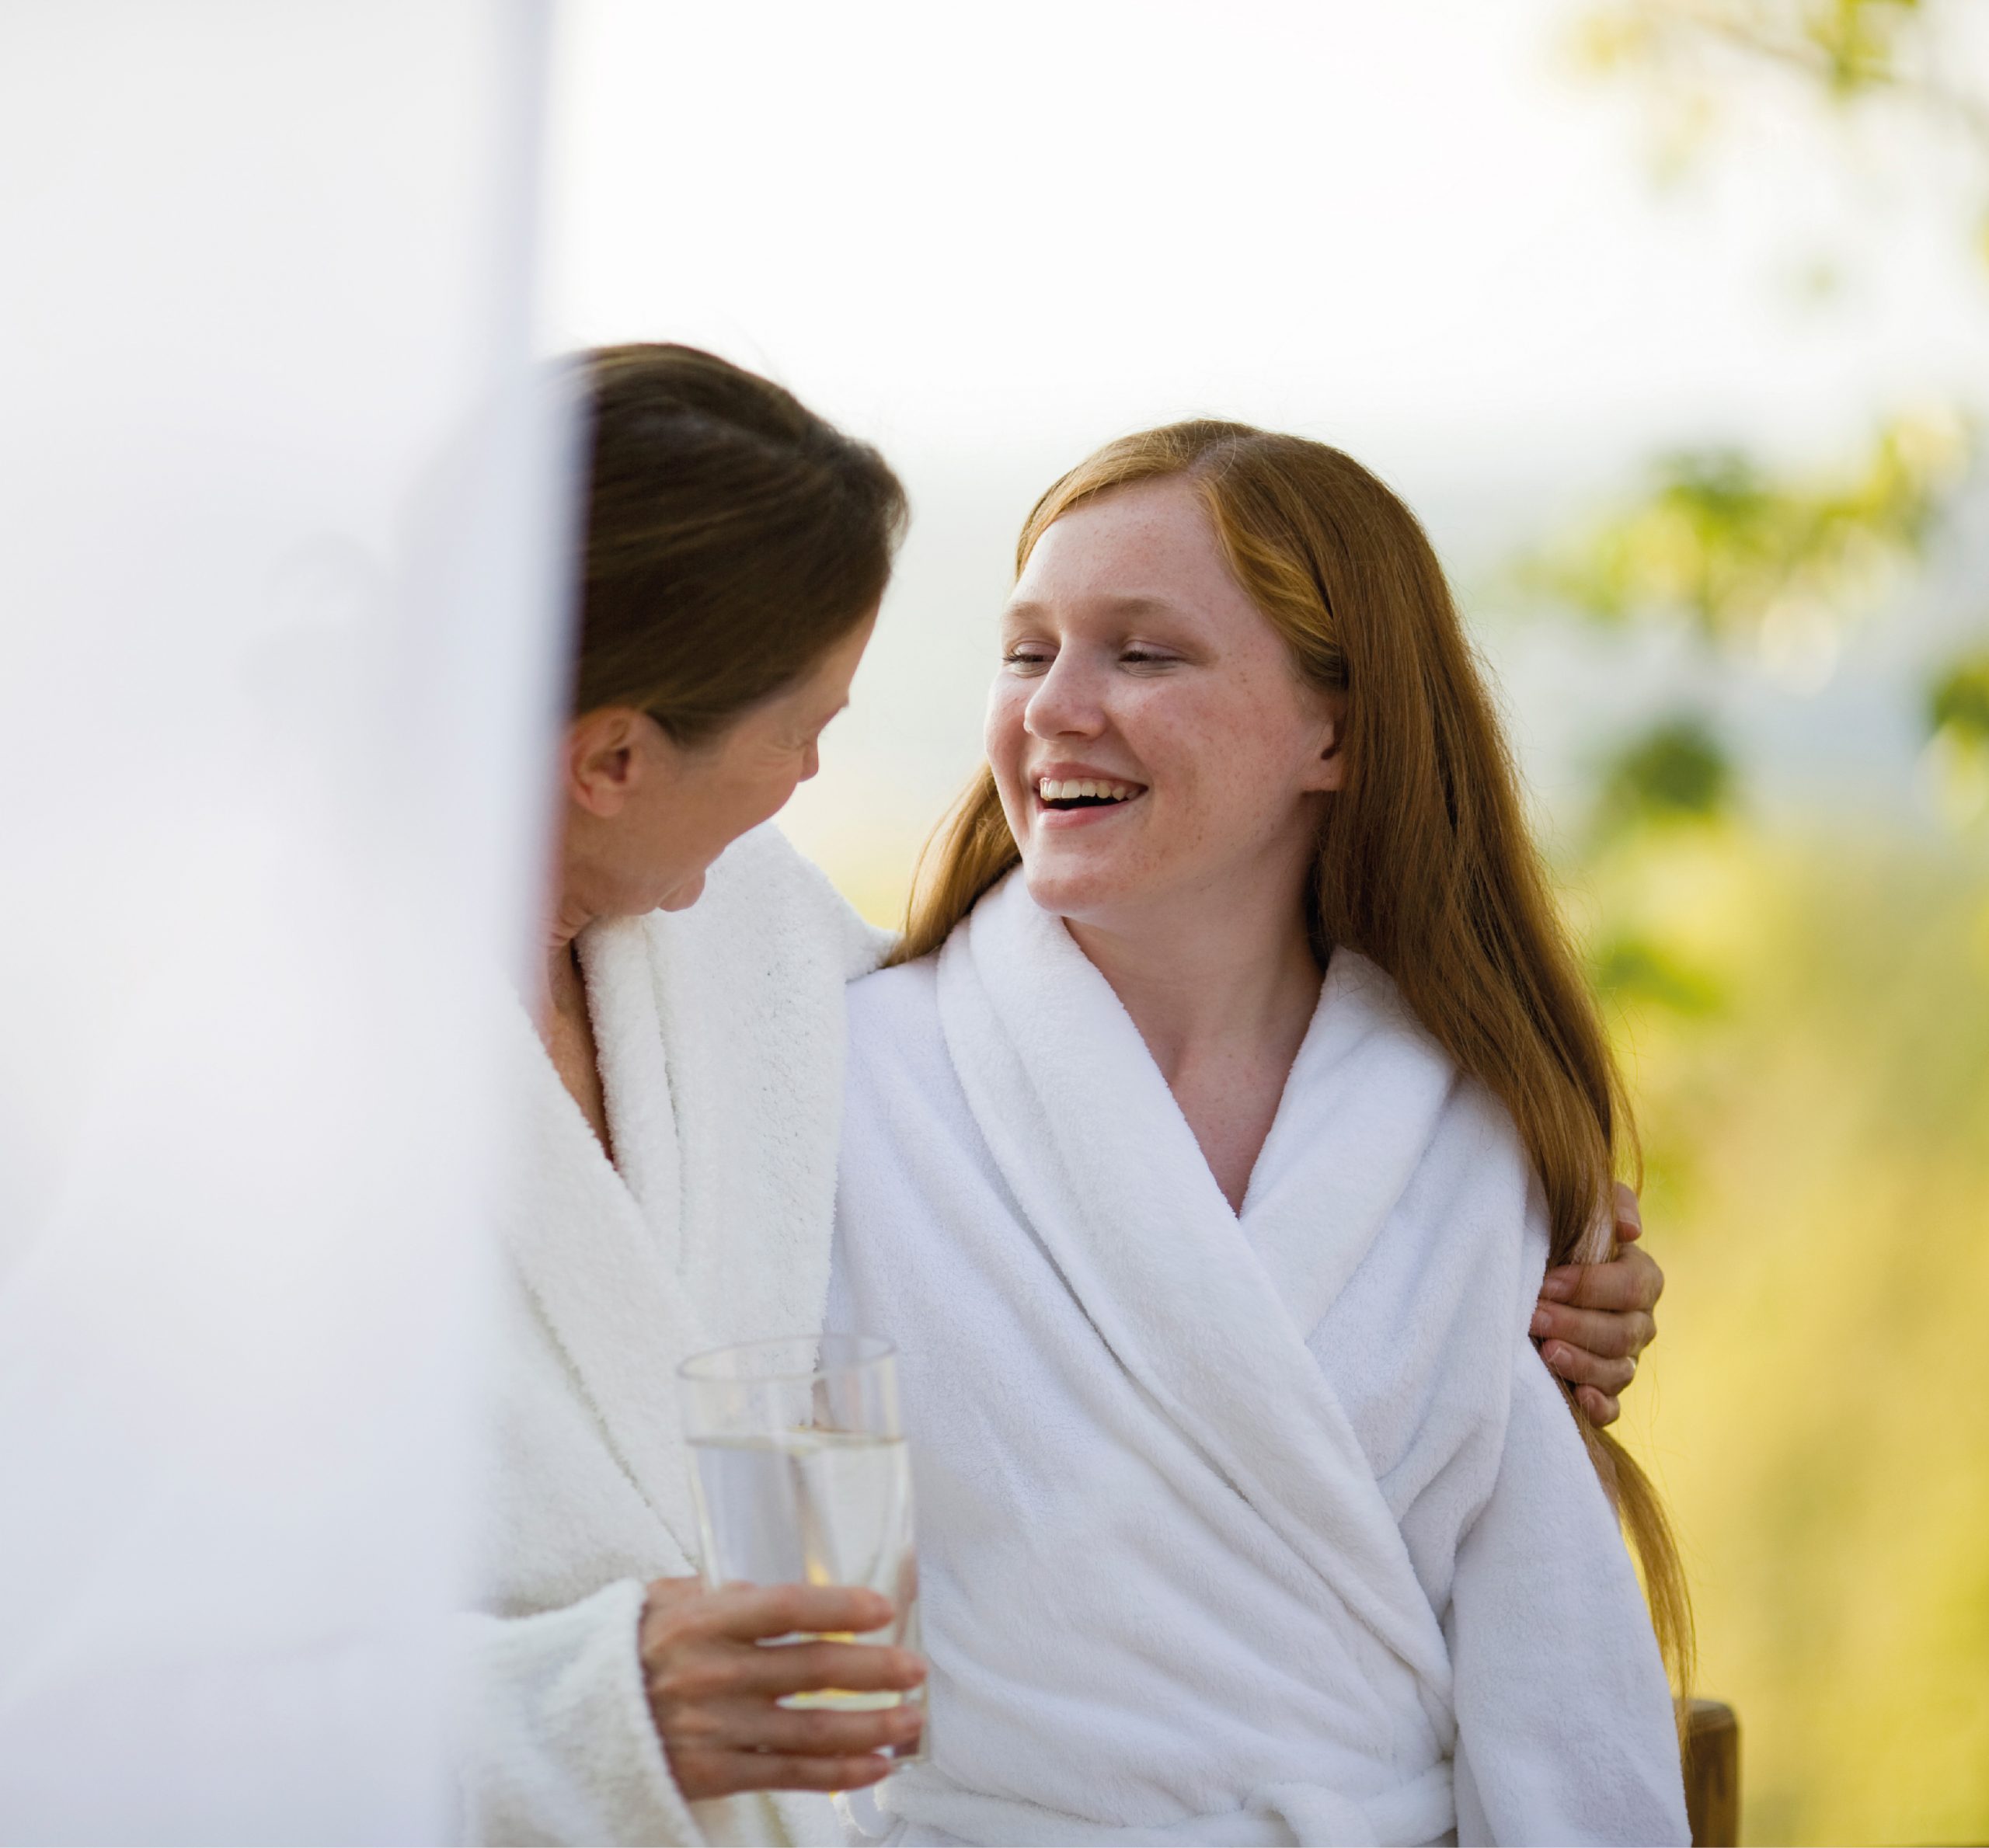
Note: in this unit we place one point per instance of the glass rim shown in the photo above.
(706, 1368)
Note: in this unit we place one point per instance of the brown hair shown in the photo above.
(1425, 864)
(732, 538)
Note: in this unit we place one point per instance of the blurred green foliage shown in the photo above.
(1958, 756)
(1803, 1015)
(1629, 969)
(1805, 1022)
(1849, 45)
(1677, 771)
(1783, 561)
(1700, 62)
(1742, 552)
(1958, 699)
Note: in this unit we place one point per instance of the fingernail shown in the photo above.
(1557, 1355)
(1559, 1287)
(1542, 1321)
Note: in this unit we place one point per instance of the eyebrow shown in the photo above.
(1127, 604)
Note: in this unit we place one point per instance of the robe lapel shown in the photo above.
(1097, 1154)
(756, 1086)
(613, 1296)
(591, 1260)
(1364, 1094)
(634, 1075)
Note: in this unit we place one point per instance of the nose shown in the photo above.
(1067, 702)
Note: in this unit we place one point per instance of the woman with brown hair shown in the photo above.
(1204, 1153)
(674, 1187)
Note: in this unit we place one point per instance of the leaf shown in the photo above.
(1722, 541)
(1677, 771)
(1958, 697)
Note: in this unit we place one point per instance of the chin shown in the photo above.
(1070, 889)
(682, 896)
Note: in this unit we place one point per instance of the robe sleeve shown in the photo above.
(1565, 1725)
(555, 1742)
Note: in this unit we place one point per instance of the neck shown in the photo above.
(569, 918)
(1211, 977)
(571, 915)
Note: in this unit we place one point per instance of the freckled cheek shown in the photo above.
(1212, 797)
(1183, 748)
(1003, 736)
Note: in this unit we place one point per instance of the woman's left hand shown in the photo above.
(1593, 1320)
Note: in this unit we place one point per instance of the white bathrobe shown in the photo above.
(1265, 1528)
(720, 1032)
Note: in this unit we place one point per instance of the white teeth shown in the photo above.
(1052, 790)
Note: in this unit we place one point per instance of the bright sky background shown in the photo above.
(988, 237)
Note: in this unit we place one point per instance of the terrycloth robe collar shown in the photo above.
(661, 1270)
(611, 1297)
(1209, 1311)
(720, 1032)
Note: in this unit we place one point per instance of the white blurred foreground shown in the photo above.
(270, 700)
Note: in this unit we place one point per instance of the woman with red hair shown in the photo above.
(1234, 1089)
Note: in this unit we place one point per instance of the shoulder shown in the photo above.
(762, 892)
(891, 1005)
(1473, 1189)
(762, 873)
(1470, 1127)
(1479, 1201)
(895, 1034)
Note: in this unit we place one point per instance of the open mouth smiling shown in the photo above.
(1068, 795)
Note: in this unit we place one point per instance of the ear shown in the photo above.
(1328, 769)
(606, 755)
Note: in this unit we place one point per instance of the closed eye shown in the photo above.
(809, 739)
(1033, 660)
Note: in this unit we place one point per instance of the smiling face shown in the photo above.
(1151, 739)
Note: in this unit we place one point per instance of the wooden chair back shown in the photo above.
(1712, 1775)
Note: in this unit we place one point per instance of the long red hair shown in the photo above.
(1425, 864)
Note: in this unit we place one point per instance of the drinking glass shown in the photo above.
(802, 1478)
